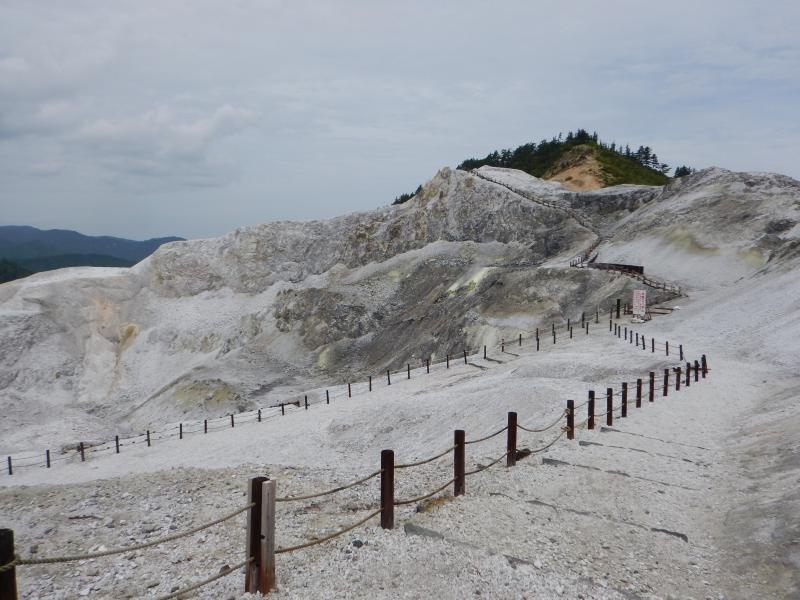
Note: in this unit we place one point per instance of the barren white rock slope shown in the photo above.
(693, 496)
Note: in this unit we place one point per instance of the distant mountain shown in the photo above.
(26, 250)
(19, 243)
(11, 270)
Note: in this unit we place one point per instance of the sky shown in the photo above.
(189, 117)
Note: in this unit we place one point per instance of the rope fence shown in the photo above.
(260, 564)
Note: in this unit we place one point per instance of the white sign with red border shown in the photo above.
(639, 303)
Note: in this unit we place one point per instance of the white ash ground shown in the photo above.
(534, 531)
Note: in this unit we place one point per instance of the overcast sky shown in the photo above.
(186, 117)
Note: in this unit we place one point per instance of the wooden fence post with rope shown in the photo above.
(511, 440)
(570, 419)
(459, 479)
(253, 572)
(8, 578)
(387, 489)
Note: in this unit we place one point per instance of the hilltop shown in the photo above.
(581, 161)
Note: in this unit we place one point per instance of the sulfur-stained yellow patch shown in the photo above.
(469, 283)
(127, 334)
(680, 236)
(324, 358)
(207, 394)
(752, 256)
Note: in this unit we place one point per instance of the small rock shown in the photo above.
(358, 543)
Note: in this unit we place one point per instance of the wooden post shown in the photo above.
(80, 449)
(484, 353)
(180, 431)
(283, 409)
(637, 338)
(570, 419)
(10, 466)
(387, 489)
(609, 407)
(652, 345)
(388, 377)
(568, 323)
(537, 343)
(205, 425)
(590, 410)
(624, 412)
(610, 325)
(587, 327)
(666, 383)
(253, 544)
(428, 364)
(644, 343)
(232, 425)
(678, 379)
(520, 342)
(667, 346)
(680, 349)
(626, 333)
(597, 316)
(8, 579)
(116, 443)
(704, 365)
(639, 393)
(148, 438)
(465, 360)
(688, 374)
(306, 402)
(47, 458)
(652, 389)
(259, 415)
(502, 345)
(267, 580)
(554, 337)
(570, 333)
(583, 319)
(459, 483)
(618, 306)
(697, 370)
(327, 397)
(349, 390)
(511, 440)
(370, 383)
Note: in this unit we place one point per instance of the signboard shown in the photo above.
(639, 303)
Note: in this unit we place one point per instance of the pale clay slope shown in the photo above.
(536, 531)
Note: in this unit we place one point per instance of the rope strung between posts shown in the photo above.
(328, 537)
(425, 461)
(491, 435)
(169, 538)
(425, 497)
(546, 446)
(553, 424)
(333, 491)
(494, 462)
(200, 584)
